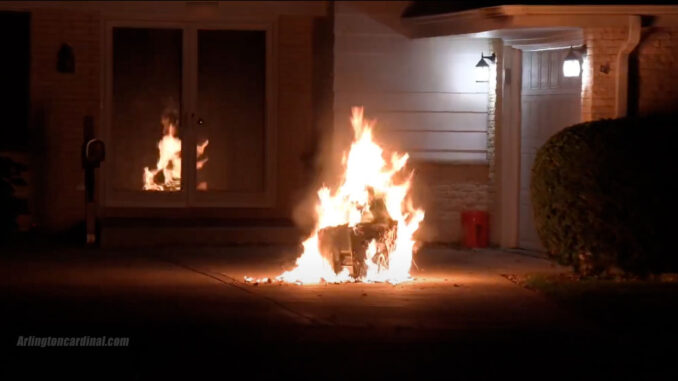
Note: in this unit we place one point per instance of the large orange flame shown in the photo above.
(366, 169)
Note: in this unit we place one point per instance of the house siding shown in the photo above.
(426, 102)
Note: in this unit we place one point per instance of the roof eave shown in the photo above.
(535, 16)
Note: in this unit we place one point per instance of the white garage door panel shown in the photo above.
(549, 103)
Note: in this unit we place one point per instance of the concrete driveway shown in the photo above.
(188, 311)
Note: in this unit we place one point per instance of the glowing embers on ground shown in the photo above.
(167, 173)
(364, 228)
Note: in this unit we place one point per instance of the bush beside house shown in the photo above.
(603, 195)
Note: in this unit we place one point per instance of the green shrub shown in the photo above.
(10, 206)
(603, 194)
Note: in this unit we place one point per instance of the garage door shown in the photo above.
(550, 102)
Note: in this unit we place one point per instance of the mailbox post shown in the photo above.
(93, 153)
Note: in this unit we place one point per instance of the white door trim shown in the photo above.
(188, 195)
(509, 149)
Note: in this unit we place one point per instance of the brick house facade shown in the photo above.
(60, 101)
(652, 71)
(316, 45)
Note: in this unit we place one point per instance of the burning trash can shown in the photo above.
(475, 226)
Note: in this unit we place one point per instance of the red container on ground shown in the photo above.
(475, 225)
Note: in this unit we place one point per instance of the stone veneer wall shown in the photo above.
(444, 191)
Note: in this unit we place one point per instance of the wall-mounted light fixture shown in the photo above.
(66, 59)
(482, 70)
(572, 62)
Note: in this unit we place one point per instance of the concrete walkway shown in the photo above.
(185, 305)
(452, 290)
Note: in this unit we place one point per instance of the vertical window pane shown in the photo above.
(146, 132)
(231, 104)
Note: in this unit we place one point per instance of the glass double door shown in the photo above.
(187, 117)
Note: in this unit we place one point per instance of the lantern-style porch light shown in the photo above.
(572, 64)
(482, 69)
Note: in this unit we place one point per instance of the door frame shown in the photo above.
(508, 163)
(189, 196)
(509, 143)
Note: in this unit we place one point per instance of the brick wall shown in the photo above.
(599, 71)
(656, 68)
(59, 103)
(444, 191)
(653, 78)
(295, 102)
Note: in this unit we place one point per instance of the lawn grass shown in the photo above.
(633, 306)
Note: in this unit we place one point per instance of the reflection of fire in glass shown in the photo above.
(167, 173)
(200, 162)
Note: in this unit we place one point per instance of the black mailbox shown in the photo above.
(95, 153)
